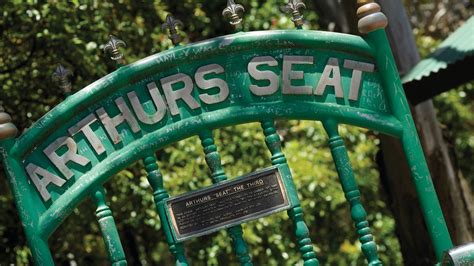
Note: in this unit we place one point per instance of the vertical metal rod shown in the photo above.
(213, 160)
(351, 192)
(155, 178)
(411, 145)
(108, 228)
(300, 229)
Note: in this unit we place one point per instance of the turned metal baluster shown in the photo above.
(213, 160)
(108, 228)
(300, 229)
(212, 157)
(272, 139)
(155, 178)
(153, 173)
(351, 192)
(104, 214)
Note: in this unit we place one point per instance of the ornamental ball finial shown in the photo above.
(7, 129)
(370, 17)
(234, 12)
(293, 7)
(112, 47)
(60, 76)
(171, 26)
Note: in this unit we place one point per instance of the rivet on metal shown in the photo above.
(112, 47)
(7, 129)
(370, 17)
(293, 7)
(172, 25)
(60, 76)
(234, 12)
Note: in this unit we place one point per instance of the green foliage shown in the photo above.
(38, 35)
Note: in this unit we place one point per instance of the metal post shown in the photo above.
(372, 23)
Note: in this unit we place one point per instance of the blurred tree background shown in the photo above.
(37, 35)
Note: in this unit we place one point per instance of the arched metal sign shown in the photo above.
(191, 90)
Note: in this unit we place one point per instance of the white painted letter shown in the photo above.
(157, 100)
(358, 68)
(289, 75)
(111, 124)
(35, 172)
(84, 126)
(184, 93)
(332, 67)
(263, 75)
(69, 156)
(211, 83)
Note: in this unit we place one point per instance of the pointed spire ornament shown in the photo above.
(293, 7)
(60, 76)
(234, 12)
(171, 27)
(112, 47)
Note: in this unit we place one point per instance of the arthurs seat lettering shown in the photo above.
(178, 95)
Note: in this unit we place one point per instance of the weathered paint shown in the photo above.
(119, 133)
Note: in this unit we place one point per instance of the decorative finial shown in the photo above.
(113, 48)
(60, 76)
(293, 7)
(7, 129)
(370, 17)
(234, 12)
(172, 25)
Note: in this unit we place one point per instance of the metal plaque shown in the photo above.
(226, 204)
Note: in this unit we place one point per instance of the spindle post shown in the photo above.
(300, 229)
(155, 178)
(213, 160)
(351, 192)
(108, 228)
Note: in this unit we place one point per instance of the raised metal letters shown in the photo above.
(263, 75)
(211, 83)
(185, 94)
(69, 156)
(331, 77)
(111, 124)
(289, 74)
(158, 100)
(84, 126)
(34, 172)
(358, 68)
(181, 87)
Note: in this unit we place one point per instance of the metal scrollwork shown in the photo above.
(234, 12)
(172, 25)
(60, 76)
(112, 47)
(293, 7)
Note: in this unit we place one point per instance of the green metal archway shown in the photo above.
(191, 90)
